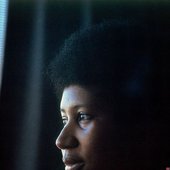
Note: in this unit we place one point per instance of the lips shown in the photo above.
(73, 163)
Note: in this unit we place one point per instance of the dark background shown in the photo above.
(25, 29)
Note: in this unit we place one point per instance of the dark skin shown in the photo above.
(87, 140)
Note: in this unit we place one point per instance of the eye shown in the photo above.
(65, 120)
(84, 118)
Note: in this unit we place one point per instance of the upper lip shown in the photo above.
(71, 160)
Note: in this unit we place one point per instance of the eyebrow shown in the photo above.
(74, 107)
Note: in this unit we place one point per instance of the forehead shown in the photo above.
(75, 96)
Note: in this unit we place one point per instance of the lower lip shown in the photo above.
(76, 166)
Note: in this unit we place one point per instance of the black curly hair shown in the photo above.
(111, 58)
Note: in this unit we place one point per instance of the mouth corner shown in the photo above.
(73, 162)
(75, 166)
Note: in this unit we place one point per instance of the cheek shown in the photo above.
(94, 146)
(94, 139)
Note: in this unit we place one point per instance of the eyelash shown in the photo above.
(64, 119)
(81, 118)
(84, 117)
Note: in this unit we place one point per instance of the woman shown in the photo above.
(103, 78)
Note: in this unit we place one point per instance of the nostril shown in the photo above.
(67, 138)
(66, 142)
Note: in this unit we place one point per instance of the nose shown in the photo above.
(67, 139)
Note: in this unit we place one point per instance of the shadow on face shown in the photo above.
(93, 138)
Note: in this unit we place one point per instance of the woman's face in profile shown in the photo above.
(86, 138)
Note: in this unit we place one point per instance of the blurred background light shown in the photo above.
(27, 154)
(3, 23)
